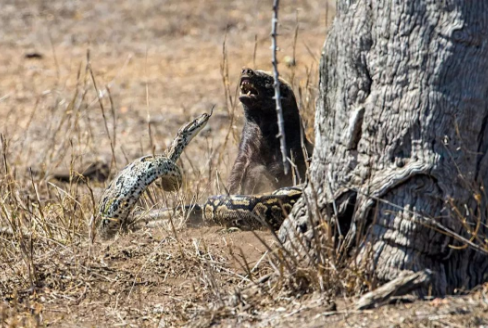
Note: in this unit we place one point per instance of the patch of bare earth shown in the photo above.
(157, 64)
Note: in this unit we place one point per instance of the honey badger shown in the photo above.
(259, 167)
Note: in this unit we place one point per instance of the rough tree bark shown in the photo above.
(401, 133)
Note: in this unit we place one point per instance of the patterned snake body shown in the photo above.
(125, 190)
(251, 212)
(133, 180)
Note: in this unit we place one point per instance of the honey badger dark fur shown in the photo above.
(258, 167)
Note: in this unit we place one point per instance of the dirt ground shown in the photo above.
(156, 64)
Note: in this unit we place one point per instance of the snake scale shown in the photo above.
(257, 169)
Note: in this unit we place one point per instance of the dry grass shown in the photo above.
(152, 66)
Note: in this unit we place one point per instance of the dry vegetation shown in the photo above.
(156, 65)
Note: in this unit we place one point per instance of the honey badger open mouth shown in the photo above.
(248, 89)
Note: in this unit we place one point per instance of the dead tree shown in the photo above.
(400, 160)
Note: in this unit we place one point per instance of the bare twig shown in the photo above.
(152, 146)
(113, 163)
(279, 110)
(404, 284)
(100, 102)
(255, 50)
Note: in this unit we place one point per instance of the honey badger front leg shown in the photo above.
(253, 179)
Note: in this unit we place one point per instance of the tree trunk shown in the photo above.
(401, 132)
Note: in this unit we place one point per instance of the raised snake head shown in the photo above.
(185, 135)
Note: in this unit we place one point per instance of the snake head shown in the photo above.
(186, 133)
(193, 128)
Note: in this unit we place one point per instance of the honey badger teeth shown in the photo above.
(248, 89)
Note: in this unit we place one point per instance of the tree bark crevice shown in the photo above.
(400, 131)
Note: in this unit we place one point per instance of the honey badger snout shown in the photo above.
(247, 72)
